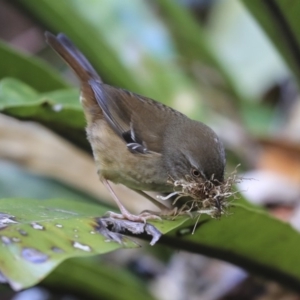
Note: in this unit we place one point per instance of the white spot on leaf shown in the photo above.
(57, 107)
(37, 226)
(82, 247)
(6, 219)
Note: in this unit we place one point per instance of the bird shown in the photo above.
(139, 142)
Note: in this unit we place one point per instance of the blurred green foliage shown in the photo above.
(161, 50)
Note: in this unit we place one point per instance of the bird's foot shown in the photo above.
(111, 228)
(142, 217)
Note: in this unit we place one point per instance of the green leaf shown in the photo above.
(20, 100)
(30, 70)
(31, 185)
(251, 239)
(37, 235)
(280, 21)
(97, 280)
(58, 110)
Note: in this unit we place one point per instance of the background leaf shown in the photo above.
(58, 110)
(192, 42)
(248, 238)
(279, 20)
(76, 26)
(91, 278)
(30, 70)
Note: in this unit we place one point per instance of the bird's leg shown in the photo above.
(125, 214)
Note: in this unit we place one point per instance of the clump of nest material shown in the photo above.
(208, 197)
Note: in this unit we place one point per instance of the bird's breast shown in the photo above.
(116, 163)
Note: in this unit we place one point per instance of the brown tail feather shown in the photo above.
(82, 68)
(72, 56)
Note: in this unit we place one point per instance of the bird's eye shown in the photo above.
(195, 173)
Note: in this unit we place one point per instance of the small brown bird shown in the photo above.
(137, 141)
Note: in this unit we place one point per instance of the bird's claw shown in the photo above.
(118, 225)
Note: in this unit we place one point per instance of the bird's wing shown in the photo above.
(139, 121)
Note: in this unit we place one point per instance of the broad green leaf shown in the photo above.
(280, 21)
(37, 235)
(251, 239)
(58, 110)
(96, 279)
(28, 69)
(20, 100)
(48, 231)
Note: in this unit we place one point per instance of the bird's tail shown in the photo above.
(82, 68)
(72, 56)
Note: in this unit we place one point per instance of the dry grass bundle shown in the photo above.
(209, 197)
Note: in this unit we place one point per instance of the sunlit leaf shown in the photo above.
(57, 110)
(37, 235)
